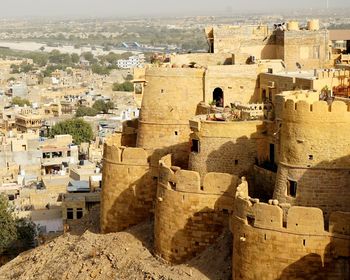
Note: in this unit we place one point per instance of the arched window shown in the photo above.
(218, 97)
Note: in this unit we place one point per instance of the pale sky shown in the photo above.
(117, 8)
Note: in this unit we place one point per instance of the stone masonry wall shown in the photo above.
(275, 243)
(170, 100)
(189, 215)
(128, 189)
(229, 147)
(315, 147)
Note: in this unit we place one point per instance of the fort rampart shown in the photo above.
(229, 147)
(276, 241)
(170, 100)
(190, 214)
(128, 189)
(314, 156)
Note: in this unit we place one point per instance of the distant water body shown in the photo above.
(33, 46)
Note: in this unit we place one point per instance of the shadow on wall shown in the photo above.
(316, 267)
(324, 185)
(200, 230)
(133, 205)
(234, 157)
(132, 192)
(179, 155)
(255, 97)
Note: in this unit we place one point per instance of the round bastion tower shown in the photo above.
(170, 100)
(314, 167)
(130, 173)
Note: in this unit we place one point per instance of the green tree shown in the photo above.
(88, 56)
(74, 57)
(8, 232)
(20, 101)
(102, 106)
(100, 70)
(126, 86)
(27, 233)
(80, 130)
(85, 111)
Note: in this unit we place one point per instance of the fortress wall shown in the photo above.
(170, 100)
(315, 148)
(309, 96)
(128, 189)
(325, 188)
(229, 147)
(253, 40)
(308, 48)
(189, 215)
(318, 130)
(270, 245)
(202, 59)
(238, 82)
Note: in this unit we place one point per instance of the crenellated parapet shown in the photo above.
(188, 181)
(293, 239)
(296, 220)
(123, 155)
(299, 111)
(190, 213)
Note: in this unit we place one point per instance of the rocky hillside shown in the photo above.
(123, 255)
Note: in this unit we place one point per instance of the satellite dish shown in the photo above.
(298, 65)
(283, 64)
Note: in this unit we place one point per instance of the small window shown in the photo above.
(69, 213)
(68, 153)
(162, 91)
(79, 213)
(176, 133)
(251, 220)
(311, 157)
(195, 146)
(292, 188)
(236, 161)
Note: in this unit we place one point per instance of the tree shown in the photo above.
(80, 130)
(100, 70)
(102, 106)
(129, 77)
(126, 86)
(27, 233)
(8, 232)
(88, 56)
(74, 57)
(21, 102)
(85, 111)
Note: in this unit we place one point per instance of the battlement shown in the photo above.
(123, 155)
(302, 110)
(181, 180)
(332, 73)
(283, 218)
(236, 30)
(174, 72)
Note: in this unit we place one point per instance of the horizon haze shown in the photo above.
(139, 8)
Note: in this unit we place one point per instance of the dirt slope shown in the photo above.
(123, 255)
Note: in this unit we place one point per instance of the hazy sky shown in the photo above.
(20, 8)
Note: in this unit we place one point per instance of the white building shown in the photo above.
(132, 62)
